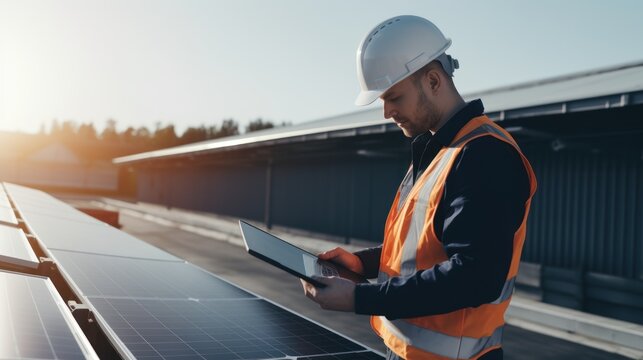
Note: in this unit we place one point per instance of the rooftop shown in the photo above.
(615, 86)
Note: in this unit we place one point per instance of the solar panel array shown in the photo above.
(153, 305)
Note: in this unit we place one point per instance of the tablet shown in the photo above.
(290, 258)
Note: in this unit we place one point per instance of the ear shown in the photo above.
(433, 80)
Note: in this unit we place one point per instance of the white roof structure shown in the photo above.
(615, 86)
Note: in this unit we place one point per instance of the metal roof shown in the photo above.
(615, 86)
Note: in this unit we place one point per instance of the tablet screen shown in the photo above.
(279, 251)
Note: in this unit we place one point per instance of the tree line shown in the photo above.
(143, 137)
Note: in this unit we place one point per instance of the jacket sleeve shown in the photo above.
(481, 209)
(370, 261)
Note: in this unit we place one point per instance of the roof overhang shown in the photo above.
(606, 88)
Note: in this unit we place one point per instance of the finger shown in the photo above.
(311, 292)
(304, 285)
(330, 254)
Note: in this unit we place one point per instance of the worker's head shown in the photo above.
(403, 62)
(421, 101)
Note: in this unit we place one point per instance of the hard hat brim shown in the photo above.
(367, 97)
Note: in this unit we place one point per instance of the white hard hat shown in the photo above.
(395, 49)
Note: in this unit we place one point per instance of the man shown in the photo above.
(455, 231)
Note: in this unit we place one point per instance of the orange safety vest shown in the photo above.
(410, 244)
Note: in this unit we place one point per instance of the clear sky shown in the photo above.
(192, 62)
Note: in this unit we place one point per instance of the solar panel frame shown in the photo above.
(61, 311)
(15, 248)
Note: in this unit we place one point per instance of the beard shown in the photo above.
(427, 112)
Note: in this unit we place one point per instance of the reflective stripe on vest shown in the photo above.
(409, 250)
(440, 344)
(405, 188)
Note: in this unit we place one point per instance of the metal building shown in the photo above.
(583, 134)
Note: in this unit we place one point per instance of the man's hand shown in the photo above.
(344, 258)
(339, 293)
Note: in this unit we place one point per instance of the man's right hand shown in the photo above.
(346, 259)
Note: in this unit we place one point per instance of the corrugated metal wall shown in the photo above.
(347, 197)
(586, 215)
(588, 210)
(228, 190)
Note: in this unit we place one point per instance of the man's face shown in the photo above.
(408, 105)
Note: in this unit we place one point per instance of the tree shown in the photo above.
(192, 135)
(109, 134)
(55, 128)
(87, 132)
(229, 127)
(164, 137)
(127, 136)
(258, 124)
(211, 132)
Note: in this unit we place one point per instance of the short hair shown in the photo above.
(435, 64)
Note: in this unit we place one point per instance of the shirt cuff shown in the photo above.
(370, 259)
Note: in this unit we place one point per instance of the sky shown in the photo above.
(192, 62)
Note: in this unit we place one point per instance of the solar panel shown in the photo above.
(25, 191)
(8, 216)
(15, 248)
(160, 309)
(6, 211)
(99, 275)
(216, 329)
(4, 200)
(35, 323)
(98, 238)
(20, 194)
(52, 208)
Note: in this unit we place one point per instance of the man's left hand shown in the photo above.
(339, 293)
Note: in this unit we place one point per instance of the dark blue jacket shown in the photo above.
(481, 209)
